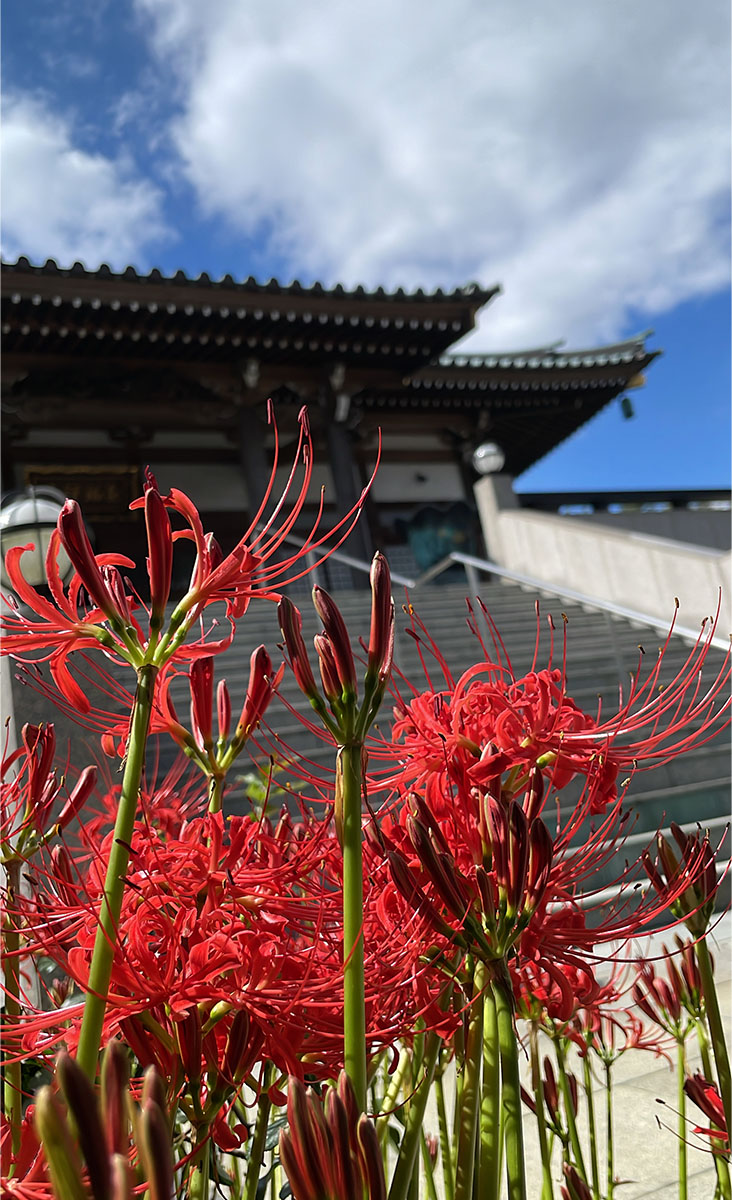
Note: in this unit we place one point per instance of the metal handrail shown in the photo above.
(474, 565)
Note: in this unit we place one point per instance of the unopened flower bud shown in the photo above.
(328, 669)
(201, 685)
(335, 628)
(223, 710)
(62, 1156)
(81, 1099)
(156, 1152)
(160, 553)
(76, 543)
(262, 684)
(83, 789)
(291, 626)
(381, 637)
(115, 1073)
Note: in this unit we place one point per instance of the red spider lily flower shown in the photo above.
(706, 1097)
(694, 877)
(489, 724)
(30, 790)
(63, 624)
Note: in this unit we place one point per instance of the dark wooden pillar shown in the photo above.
(343, 467)
(253, 454)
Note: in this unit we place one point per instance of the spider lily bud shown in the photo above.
(116, 587)
(75, 542)
(407, 886)
(64, 1164)
(534, 795)
(63, 875)
(372, 1163)
(81, 1099)
(153, 1088)
(160, 545)
(121, 1178)
(242, 1047)
(201, 685)
(291, 626)
(549, 1088)
(541, 851)
(262, 685)
(328, 669)
(518, 855)
(83, 789)
(335, 629)
(324, 1155)
(155, 1151)
(440, 868)
(576, 1188)
(381, 637)
(115, 1075)
(223, 711)
(188, 1037)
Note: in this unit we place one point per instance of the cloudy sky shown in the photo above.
(578, 153)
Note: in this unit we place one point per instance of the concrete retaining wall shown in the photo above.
(636, 570)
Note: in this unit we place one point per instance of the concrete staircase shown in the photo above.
(602, 651)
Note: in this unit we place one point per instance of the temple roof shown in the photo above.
(80, 343)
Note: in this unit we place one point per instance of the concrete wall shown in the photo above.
(698, 526)
(631, 569)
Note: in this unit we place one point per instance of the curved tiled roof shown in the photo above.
(471, 291)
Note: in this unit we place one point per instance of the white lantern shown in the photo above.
(29, 518)
(488, 458)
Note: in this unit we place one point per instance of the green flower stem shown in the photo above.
(681, 1108)
(716, 1027)
(12, 1081)
(595, 1167)
(216, 793)
(111, 906)
(490, 1105)
(609, 1130)
(720, 1163)
(198, 1180)
(465, 1167)
(259, 1137)
(404, 1171)
(547, 1188)
(574, 1140)
(354, 1006)
(445, 1143)
(429, 1174)
(389, 1102)
(511, 1089)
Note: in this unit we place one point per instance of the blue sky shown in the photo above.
(577, 154)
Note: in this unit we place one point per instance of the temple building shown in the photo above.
(106, 373)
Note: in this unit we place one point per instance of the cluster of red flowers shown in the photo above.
(228, 951)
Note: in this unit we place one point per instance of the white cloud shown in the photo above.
(60, 200)
(578, 153)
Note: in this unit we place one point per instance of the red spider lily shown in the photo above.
(64, 624)
(217, 922)
(706, 1097)
(489, 724)
(215, 754)
(30, 791)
